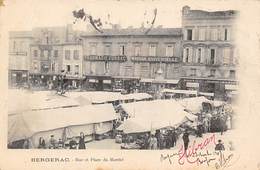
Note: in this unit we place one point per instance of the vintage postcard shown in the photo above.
(120, 84)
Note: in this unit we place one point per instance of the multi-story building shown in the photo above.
(128, 57)
(209, 52)
(19, 52)
(40, 55)
(201, 55)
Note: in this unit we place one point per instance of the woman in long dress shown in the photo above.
(82, 141)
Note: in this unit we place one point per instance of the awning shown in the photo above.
(192, 84)
(172, 81)
(231, 87)
(146, 80)
(185, 92)
(92, 80)
(107, 81)
(206, 94)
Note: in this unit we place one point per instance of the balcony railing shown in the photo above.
(18, 53)
(105, 58)
(155, 59)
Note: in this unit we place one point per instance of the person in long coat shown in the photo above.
(153, 142)
(82, 141)
(186, 139)
(174, 138)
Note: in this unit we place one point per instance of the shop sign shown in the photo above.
(155, 59)
(105, 58)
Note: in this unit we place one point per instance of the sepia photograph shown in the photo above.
(109, 87)
(155, 76)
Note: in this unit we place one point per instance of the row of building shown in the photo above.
(200, 55)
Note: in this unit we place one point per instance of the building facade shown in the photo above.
(209, 57)
(19, 54)
(128, 57)
(40, 55)
(199, 56)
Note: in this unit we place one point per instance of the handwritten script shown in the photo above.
(199, 154)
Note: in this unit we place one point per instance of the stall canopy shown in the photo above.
(194, 104)
(27, 124)
(194, 92)
(151, 115)
(21, 100)
(136, 96)
(96, 96)
(206, 94)
(103, 97)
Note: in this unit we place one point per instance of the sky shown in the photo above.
(27, 14)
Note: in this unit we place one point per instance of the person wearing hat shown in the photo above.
(219, 146)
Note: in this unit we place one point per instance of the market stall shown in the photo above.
(63, 123)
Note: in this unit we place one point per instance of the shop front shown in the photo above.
(98, 83)
(18, 78)
(214, 88)
(126, 84)
(43, 80)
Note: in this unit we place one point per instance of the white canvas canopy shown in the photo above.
(151, 115)
(21, 100)
(189, 92)
(103, 97)
(136, 96)
(194, 104)
(96, 96)
(31, 123)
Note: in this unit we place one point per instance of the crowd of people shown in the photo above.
(160, 139)
(53, 143)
